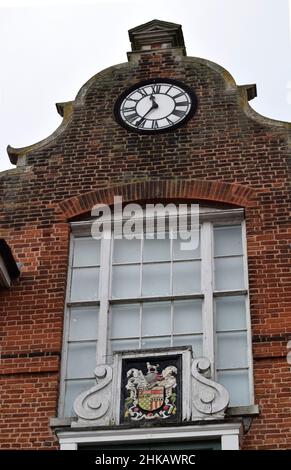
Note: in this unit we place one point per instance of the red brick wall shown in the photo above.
(222, 154)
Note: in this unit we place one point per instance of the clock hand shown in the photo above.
(154, 106)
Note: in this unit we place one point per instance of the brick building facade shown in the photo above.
(226, 156)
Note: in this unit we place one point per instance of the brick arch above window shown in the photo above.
(202, 190)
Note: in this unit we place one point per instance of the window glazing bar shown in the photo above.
(156, 299)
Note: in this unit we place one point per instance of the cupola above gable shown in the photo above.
(156, 34)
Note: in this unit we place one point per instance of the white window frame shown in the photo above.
(229, 435)
(207, 218)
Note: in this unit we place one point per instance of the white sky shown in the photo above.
(50, 48)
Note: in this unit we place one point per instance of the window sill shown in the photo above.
(231, 412)
(244, 411)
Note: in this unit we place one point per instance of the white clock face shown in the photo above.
(155, 106)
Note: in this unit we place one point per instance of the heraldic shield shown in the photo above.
(150, 400)
(151, 390)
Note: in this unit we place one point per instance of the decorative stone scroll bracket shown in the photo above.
(92, 407)
(201, 399)
(209, 399)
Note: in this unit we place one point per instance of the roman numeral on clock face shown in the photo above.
(178, 113)
(140, 124)
(142, 92)
(182, 103)
(178, 95)
(156, 88)
(129, 110)
(132, 117)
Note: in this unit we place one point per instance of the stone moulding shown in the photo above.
(66, 112)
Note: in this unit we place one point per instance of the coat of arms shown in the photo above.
(151, 395)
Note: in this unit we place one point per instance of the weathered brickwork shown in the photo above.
(226, 153)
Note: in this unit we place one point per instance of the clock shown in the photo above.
(156, 105)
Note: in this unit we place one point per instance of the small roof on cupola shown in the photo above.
(156, 34)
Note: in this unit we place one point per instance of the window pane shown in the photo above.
(125, 321)
(148, 343)
(156, 279)
(126, 251)
(156, 319)
(237, 384)
(156, 250)
(85, 284)
(227, 240)
(232, 350)
(185, 249)
(230, 313)
(86, 252)
(125, 281)
(124, 345)
(229, 273)
(195, 341)
(83, 323)
(186, 277)
(187, 316)
(81, 360)
(73, 389)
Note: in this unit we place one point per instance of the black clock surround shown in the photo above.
(144, 83)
